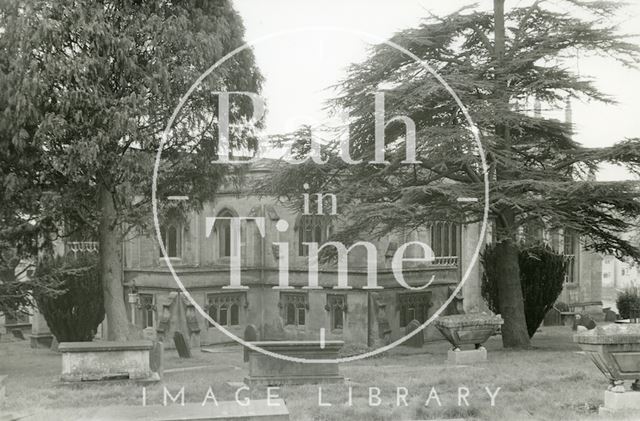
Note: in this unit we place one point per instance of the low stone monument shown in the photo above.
(271, 371)
(468, 329)
(416, 340)
(615, 350)
(86, 361)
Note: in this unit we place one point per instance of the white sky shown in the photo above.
(299, 67)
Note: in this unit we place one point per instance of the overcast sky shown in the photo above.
(300, 66)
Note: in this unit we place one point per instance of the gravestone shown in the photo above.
(156, 355)
(416, 340)
(553, 317)
(609, 315)
(149, 334)
(250, 335)
(181, 345)
(585, 321)
(54, 344)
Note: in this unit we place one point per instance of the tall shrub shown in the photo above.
(542, 273)
(75, 310)
(628, 303)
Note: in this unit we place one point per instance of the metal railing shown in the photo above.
(445, 261)
(76, 247)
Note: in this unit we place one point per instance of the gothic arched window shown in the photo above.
(233, 315)
(224, 234)
(172, 238)
(313, 229)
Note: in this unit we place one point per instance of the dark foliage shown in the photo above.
(73, 314)
(628, 303)
(542, 273)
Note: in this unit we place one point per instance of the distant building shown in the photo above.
(617, 275)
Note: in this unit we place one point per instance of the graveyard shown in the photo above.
(313, 211)
(554, 380)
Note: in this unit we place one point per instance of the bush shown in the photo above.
(542, 273)
(628, 303)
(76, 307)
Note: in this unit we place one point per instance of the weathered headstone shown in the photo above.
(250, 335)
(181, 345)
(54, 344)
(553, 317)
(416, 340)
(584, 320)
(149, 334)
(156, 355)
(609, 315)
(384, 329)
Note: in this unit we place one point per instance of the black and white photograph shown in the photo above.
(319, 210)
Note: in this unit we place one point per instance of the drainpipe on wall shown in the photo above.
(263, 249)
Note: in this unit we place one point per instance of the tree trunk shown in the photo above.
(111, 268)
(510, 300)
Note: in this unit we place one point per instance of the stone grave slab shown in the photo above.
(271, 371)
(181, 345)
(257, 409)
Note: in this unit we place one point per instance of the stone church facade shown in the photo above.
(356, 315)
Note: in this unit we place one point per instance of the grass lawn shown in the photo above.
(553, 381)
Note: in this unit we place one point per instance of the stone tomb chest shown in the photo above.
(615, 350)
(468, 329)
(86, 361)
(272, 371)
